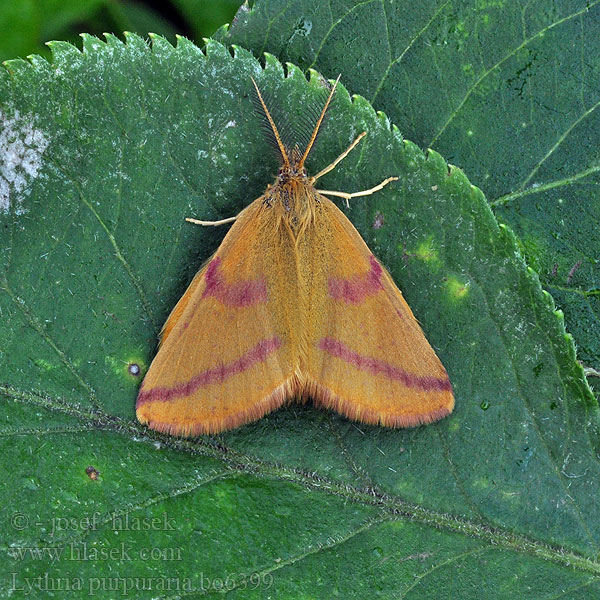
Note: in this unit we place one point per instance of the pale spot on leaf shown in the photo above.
(21, 149)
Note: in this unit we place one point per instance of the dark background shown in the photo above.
(25, 26)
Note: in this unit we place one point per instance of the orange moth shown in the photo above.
(292, 305)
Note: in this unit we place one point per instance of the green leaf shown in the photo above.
(104, 154)
(506, 92)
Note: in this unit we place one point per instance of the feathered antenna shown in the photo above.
(273, 127)
(313, 137)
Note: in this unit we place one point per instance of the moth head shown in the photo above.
(292, 157)
(293, 170)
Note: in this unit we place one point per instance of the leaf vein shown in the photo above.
(393, 505)
(509, 55)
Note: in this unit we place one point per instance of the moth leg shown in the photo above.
(341, 157)
(221, 222)
(368, 192)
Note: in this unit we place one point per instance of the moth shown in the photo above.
(292, 305)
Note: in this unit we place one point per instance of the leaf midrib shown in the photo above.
(242, 463)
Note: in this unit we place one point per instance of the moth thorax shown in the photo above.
(293, 200)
